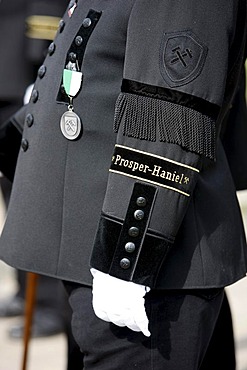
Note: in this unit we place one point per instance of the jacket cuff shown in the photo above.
(127, 249)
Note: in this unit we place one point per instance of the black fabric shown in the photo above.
(234, 138)
(10, 139)
(153, 251)
(142, 116)
(181, 323)
(172, 96)
(85, 33)
(153, 169)
(221, 350)
(74, 355)
(148, 193)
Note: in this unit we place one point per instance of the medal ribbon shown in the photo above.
(72, 82)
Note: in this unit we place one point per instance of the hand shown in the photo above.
(120, 302)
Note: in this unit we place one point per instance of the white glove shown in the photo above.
(120, 302)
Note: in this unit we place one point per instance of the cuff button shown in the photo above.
(141, 201)
(134, 232)
(125, 263)
(139, 214)
(78, 40)
(130, 247)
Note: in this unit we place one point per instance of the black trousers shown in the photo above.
(182, 324)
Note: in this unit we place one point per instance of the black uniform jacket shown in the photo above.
(145, 192)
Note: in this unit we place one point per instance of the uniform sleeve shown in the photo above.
(234, 137)
(176, 66)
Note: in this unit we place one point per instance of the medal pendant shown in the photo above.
(70, 125)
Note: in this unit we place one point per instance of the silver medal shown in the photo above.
(70, 125)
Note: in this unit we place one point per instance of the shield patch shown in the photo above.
(182, 57)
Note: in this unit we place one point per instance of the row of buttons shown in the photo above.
(131, 244)
(29, 120)
(79, 39)
(77, 49)
(52, 46)
(133, 232)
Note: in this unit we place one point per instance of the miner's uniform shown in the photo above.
(143, 191)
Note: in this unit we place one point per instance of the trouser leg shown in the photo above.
(221, 350)
(74, 355)
(181, 323)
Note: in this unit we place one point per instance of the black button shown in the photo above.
(29, 119)
(139, 214)
(61, 25)
(141, 201)
(41, 71)
(125, 263)
(130, 247)
(86, 22)
(34, 96)
(24, 145)
(78, 40)
(51, 48)
(72, 57)
(134, 232)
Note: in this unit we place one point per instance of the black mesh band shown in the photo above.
(146, 118)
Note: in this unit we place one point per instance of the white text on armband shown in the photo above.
(153, 169)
